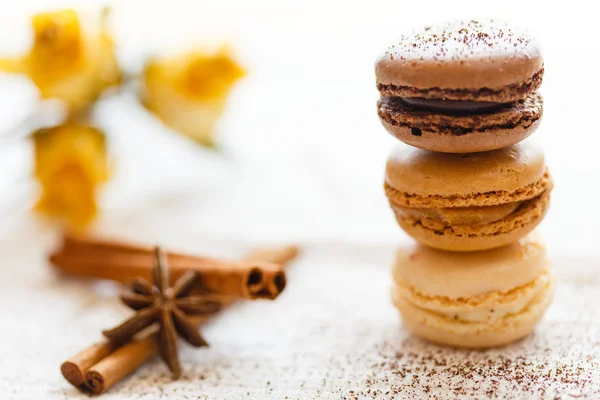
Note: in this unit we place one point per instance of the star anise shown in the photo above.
(170, 307)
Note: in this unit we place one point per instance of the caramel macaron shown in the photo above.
(468, 202)
(478, 299)
(462, 87)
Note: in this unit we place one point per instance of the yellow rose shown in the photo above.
(67, 63)
(70, 163)
(189, 92)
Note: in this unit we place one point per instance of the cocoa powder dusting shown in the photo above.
(529, 369)
(464, 40)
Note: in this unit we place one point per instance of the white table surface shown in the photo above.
(302, 158)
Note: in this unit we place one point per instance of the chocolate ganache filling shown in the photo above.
(451, 106)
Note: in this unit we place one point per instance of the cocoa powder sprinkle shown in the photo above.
(464, 39)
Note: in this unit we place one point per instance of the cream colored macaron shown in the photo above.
(476, 299)
(468, 202)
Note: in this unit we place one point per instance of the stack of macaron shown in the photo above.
(473, 187)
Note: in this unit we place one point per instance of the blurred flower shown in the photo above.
(67, 63)
(189, 92)
(70, 163)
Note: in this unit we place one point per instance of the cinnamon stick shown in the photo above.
(274, 255)
(281, 256)
(123, 361)
(73, 243)
(96, 369)
(275, 281)
(74, 369)
(123, 262)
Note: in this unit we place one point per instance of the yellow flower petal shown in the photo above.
(70, 164)
(189, 91)
(65, 62)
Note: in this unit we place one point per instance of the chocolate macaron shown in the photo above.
(468, 202)
(461, 87)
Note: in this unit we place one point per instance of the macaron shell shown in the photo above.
(462, 60)
(468, 238)
(421, 173)
(463, 133)
(436, 273)
(485, 308)
(508, 93)
(471, 143)
(449, 332)
(491, 198)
